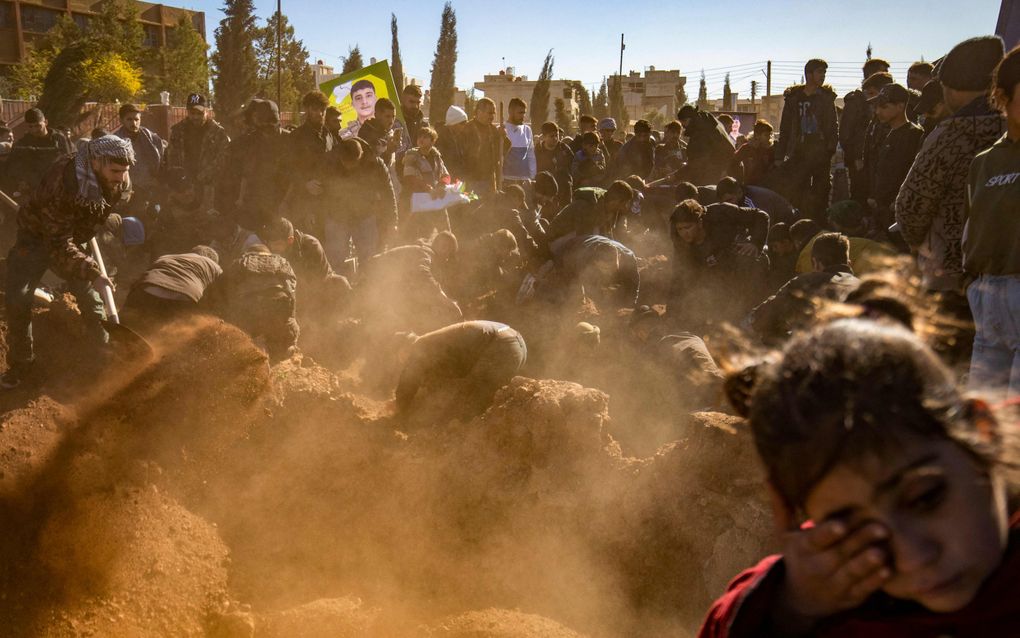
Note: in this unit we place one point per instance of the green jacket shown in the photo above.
(991, 237)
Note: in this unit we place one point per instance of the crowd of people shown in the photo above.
(886, 475)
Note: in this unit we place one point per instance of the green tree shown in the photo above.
(681, 96)
(539, 106)
(116, 29)
(617, 108)
(703, 94)
(184, 65)
(353, 61)
(469, 103)
(27, 78)
(443, 85)
(727, 94)
(397, 66)
(583, 98)
(234, 66)
(600, 107)
(296, 76)
(83, 72)
(564, 118)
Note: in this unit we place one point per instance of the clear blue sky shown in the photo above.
(717, 36)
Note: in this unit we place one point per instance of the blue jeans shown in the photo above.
(339, 233)
(27, 262)
(995, 364)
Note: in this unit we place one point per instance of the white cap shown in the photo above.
(455, 115)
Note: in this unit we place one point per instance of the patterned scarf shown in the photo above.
(108, 147)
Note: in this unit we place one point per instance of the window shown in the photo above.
(38, 19)
(6, 15)
(568, 93)
(151, 35)
(82, 20)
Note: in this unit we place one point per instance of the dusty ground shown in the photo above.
(204, 493)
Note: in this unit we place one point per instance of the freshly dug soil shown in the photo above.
(204, 493)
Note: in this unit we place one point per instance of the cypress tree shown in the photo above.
(583, 98)
(617, 109)
(443, 83)
(540, 95)
(397, 65)
(564, 118)
(703, 94)
(600, 108)
(235, 69)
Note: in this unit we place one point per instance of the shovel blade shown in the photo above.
(127, 341)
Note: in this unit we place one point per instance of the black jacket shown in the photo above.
(809, 123)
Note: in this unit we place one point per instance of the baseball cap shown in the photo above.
(607, 123)
(931, 95)
(894, 93)
(196, 101)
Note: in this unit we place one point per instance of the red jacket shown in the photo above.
(994, 613)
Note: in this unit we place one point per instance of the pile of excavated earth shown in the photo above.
(205, 493)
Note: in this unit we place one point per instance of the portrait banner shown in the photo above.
(355, 94)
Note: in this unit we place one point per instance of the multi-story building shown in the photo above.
(505, 86)
(654, 91)
(23, 21)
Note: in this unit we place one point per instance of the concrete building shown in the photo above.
(322, 72)
(23, 21)
(654, 91)
(505, 86)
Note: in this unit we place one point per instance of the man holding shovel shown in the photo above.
(73, 198)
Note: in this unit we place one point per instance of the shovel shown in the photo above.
(120, 335)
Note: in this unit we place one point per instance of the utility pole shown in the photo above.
(619, 87)
(754, 91)
(279, 51)
(622, 47)
(768, 79)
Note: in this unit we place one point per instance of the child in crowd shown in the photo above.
(889, 486)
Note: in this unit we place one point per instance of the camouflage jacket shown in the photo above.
(256, 277)
(213, 147)
(56, 217)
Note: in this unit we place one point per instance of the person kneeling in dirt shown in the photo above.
(323, 289)
(719, 271)
(490, 263)
(400, 289)
(793, 305)
(600, 269)
(259, 294)
(593, 212)
(172, 287)
(74, 197)
(485, 353)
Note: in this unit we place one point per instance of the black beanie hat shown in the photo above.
(969, 65)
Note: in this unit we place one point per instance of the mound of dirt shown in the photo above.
(694, 517)
(30, 436)
(130, 562)
(499, 623)
(324, 618)
(117, 510)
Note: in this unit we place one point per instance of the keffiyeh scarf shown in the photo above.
(90, 193)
